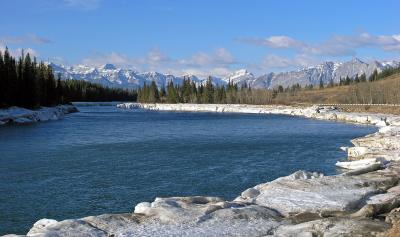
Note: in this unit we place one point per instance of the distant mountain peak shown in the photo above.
(240, 72)
(112, 76)
(357, 60)
(109, 66)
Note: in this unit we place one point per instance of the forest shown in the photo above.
(27, 83)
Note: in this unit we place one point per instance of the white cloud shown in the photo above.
(155, 58)
(18, 51)
(26, 39)
(274, 62)
(99, 59)
(224, 56)
(217, 62)
(83, 4)
(30, 51)
(337, 45)
(218, 57)
(278, 41)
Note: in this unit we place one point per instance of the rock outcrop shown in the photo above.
(361, 201)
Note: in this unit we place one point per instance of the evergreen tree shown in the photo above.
(331, 83)
(30, 99)
(154, 96)
(363, 78)
(3, 79)
(321, 84)
(356, 79)
(59, 90)
(12, 85)
(209, 92)
(374, 76)
(347, 80)
(172, 96)
(163, 93)
(30, 84)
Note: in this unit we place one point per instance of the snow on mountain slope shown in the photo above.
(110, 75)
(240, 77)
(326, 72)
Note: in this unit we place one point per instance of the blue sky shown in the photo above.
(202, 37)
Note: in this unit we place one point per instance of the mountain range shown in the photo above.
(110, 75)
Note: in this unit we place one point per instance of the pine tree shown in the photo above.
(347, 80)
(356, 79)
(50, 88)
(374, 76)
(163, 93)
(59, 90)
(42, 85)
(10, 80)
(363, 78)
(331, 83)
(29, 82)
(209, 92)
(172, 96)
(154, 96)
(2, 82)
(186, 90)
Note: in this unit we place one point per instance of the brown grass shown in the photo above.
(384, 91)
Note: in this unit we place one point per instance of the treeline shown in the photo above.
(79, 90)
(27, 83)
(189, 92)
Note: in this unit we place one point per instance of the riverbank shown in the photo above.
(20, 115)
(359, 202)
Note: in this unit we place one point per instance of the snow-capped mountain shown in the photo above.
(109, 75)
(240, 77)
(326, 72)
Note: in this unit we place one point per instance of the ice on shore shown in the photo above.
(21, 115)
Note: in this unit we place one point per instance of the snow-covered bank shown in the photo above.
(105, 103)
(300, 204)
(22, 115)
(315, 112)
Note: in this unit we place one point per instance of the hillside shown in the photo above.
(383, 91)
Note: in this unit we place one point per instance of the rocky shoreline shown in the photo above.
(20, 115)
(363, 201)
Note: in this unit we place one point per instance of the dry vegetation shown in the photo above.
(385, 91)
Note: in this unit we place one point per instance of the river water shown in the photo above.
(105, 160)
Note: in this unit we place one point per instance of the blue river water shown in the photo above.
(105, 160)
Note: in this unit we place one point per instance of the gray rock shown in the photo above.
(333, 227)
(318, 194)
